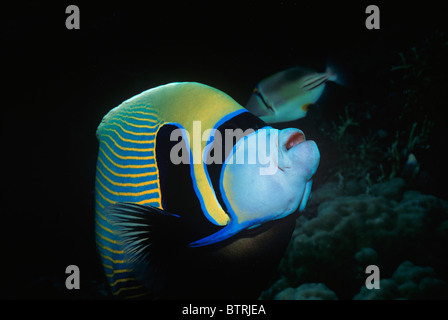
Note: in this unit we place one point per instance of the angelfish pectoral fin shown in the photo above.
(148, 236)
(228, 231)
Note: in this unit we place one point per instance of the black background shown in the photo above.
(58, 84)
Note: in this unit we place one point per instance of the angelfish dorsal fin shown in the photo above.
(147, 235)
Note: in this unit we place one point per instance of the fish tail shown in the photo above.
(336, 75)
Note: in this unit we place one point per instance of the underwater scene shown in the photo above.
(346, 102)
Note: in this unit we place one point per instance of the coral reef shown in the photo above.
(347, 229)
(396, 132)
(380, 196)
(407, 282)
(307, 291)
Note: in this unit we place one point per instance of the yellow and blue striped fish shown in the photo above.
(126, 171)
(148, 207)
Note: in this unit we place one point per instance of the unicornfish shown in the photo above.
(182, 214)
(286, 95)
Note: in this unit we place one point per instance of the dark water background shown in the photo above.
(59, 83)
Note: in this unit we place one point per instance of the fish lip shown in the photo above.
(294, 139)
(305, 153)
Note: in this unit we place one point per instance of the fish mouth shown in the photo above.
(295, 139)
(296, 154)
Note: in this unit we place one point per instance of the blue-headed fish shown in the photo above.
(167, 229)
(286, 95)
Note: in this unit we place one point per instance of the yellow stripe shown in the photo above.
(109, 249)
(121, 280)
(104, 228)
(126, 288)
(128, 149)
(137, 125)
(137, 295)
(127, 157)
(146, 107)
(104, 237)
(152, 112)
(135, 115)
(131, 132)
(102, 206)
(116, 271)
(119, 184)
(126, 175)
(112, 260)
(99, 213)
(129, 140)
(159, 203)
(131, 166)
(102, 196)
(111, 275)
(108, 267)
(101, 226)
(135, 118)
(128, 194)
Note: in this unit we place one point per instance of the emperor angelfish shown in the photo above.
(286, 95)
(170, 217)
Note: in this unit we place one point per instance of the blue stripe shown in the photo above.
(118, 170)
(120, 152)
(100, 199)
(151, 176)
(139, 119)
(138, 126)
(107, 184)
(105, 243)
(122, 198)
(132, 134)
(118, 124)
(206, 150)
(127, 144)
